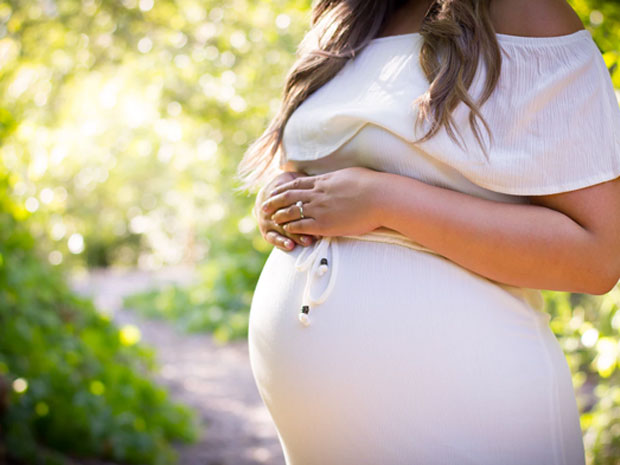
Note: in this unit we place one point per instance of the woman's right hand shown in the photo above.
(271, 231)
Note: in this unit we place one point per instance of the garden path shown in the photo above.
(215, 380)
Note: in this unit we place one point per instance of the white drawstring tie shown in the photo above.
(310, 261)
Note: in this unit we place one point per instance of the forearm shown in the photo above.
(517, 244)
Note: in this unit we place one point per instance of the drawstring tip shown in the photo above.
(303, 316)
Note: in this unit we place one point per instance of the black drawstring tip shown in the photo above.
(303, 316)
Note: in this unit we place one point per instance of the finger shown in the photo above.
(304, 182)
(279, 241)
(303, 240)
(291, 213)
(288, 176)
(299, 239)
(285, 199)
(306, 226)
(278, 180)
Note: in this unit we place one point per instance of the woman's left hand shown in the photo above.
(337, 203)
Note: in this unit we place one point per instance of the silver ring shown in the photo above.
(300, 204)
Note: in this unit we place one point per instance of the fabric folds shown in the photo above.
(554, 115)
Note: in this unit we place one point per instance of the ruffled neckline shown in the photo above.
(502, 38)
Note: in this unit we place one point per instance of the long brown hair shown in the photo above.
(456, 34)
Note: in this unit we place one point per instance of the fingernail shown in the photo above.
(265, 208)
(304, 239)
(288, 243)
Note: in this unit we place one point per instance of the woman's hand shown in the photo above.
(338, 203)
(271, 231)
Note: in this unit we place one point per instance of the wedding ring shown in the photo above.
(300, 204)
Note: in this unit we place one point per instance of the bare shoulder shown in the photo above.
(534, 18)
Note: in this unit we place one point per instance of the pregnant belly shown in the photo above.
(409, 354)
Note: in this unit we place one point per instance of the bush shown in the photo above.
(70, 381)
(221, 301)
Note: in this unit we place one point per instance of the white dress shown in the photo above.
(410, 358)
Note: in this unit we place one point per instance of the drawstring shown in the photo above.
(308, 261)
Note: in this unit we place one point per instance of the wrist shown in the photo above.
(380, 197)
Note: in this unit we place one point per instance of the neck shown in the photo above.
(407, 19)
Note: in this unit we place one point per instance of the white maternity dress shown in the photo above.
(410, 358)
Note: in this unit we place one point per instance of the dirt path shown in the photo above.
(214, 380)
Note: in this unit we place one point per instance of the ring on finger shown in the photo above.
(299, 204)
(290, 213)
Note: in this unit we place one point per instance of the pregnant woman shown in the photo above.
(446, 160)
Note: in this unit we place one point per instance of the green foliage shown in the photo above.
(587, 327)
(219, 303)
(133, 116)
(603, 19)
(70, 381)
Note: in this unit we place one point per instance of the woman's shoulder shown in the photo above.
(534, 18)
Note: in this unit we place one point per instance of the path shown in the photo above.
(214, 380)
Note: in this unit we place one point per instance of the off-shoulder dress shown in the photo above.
(410, 358)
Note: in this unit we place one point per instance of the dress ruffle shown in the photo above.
(554, 116)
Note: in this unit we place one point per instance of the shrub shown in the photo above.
(71, 382)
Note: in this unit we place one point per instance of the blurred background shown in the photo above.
(127, 261)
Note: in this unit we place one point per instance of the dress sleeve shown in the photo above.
(554, 119)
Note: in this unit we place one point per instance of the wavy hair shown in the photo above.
(456, 34)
